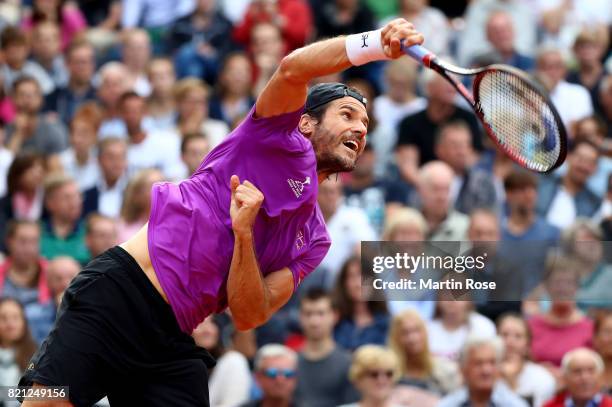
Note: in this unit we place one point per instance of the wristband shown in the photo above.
(365, 47)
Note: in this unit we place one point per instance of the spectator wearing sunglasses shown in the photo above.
(374, 372)
(275, 373)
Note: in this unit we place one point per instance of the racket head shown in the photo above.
(520, 118)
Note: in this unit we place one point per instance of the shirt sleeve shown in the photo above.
(310, 259)
(274, 129)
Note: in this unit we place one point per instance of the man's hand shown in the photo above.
(396, 33)
(245, 204)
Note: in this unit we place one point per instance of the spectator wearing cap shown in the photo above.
(47, 53)
(322, 365)
(602, 344)
(434, 185)
(472, 187)
(65, 99)
(100, 233)
(292, 17)
(374, 372)
(63, 233)
(480, 362)
(80, 159)
(563, 198)
(41, 317)
(500, 35)
(200, 41)
(347, 227)
(15, 48)
(275, 372)
(31, 129)
(581, 369)
(416, 132)
(107, 194)
(572, 101)
(23, 272)
(589, 49)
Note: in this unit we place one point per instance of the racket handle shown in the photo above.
(421, 54)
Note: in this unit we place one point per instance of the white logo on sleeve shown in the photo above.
(299, 240)
(298, 186)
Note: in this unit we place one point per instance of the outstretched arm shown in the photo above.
(286, 91)
(252, 298)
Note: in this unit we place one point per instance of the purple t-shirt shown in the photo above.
(191, 242)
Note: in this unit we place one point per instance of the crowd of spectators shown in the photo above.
(101, 99)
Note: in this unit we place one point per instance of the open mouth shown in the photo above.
(351, 145)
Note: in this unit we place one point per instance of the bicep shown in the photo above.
(280, 288)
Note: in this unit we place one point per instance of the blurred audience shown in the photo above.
(160, 104)
(100, 233)
(602, 344)
(16, 343)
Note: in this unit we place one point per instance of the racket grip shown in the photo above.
(421, 54)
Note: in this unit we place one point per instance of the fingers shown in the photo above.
(245, 193)
(234, 182)
(396, 33)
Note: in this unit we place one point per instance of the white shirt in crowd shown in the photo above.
(572, 101)
(110, 199)
(562, 212)
(448, 344)
(230, 381)
(347, 228)
(159, 150)
(535, 381)
(390, 113)
(6, 158)
(153, 13)
(87, 175)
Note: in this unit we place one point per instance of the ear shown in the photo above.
(306, 125)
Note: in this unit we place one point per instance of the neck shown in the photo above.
(434, 219)
(362, 181)
(46, 63)
(110, 181)
(23, 274)
(269, 402)
(520, 221)
(562, 310)
(78, 87)
(61, 227)
(162, 101)
(438, 111)
(571, 186)
(316, 349)
(451, 324)
(137, 137)
(374, 402)
(480, 397)
(82, 156)
(591, 67)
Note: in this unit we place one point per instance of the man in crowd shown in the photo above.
(63, 232)
(275, 372)
(194, 148)
(32, 130)
(100, 233)
(582, 371)
(322, 366)
(113, 83)
(480, 362)
(46, 51)
(563, 198)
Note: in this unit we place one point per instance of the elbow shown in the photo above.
(289, 71)
(253, 321)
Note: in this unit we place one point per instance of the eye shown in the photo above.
(346, 115)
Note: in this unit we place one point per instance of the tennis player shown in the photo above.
(242, 233)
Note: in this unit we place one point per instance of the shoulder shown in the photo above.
(481, 324)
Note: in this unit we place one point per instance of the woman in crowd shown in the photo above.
(191, 96)
(230, 380)
(602, 342)
(454, 321)
(374, 372)
(16, 343)
(24, 198)
(68, 17)
(80, 160)
(527, 379)
(233, 98)
(160, 105)
(360, 321)
(136, 205)
(563, 319)
(418, 367)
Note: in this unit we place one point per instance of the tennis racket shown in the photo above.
(515, 111)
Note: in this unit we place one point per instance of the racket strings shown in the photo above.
(520, 120)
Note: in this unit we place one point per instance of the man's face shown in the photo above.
(113, 161)
(582, 163)
(480, 370)
(162, 76)
(500, 32)
(137, 51)
(266, 39)
(101, 237)
(195, 151)
(339, 139)
(28, 98)
(522, 200)
(440, 91)
(46, 42)
(273, 380)
(25, 244)
(114, 84)
(66, 202)
(483, 228)
(15, 55)
(133, 111)
(602, 340)
(552, 67)
(59, 274)
(435, 193)
(330, 193)
(81, 64)
(582, 379)
(82, 135)
(455, 148)
(317, 318)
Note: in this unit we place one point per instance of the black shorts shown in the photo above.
(115, 336)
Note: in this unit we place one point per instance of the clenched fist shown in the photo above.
(396, 33)
(245, 203)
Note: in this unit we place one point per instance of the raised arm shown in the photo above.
(286, 91)
(252, 298)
